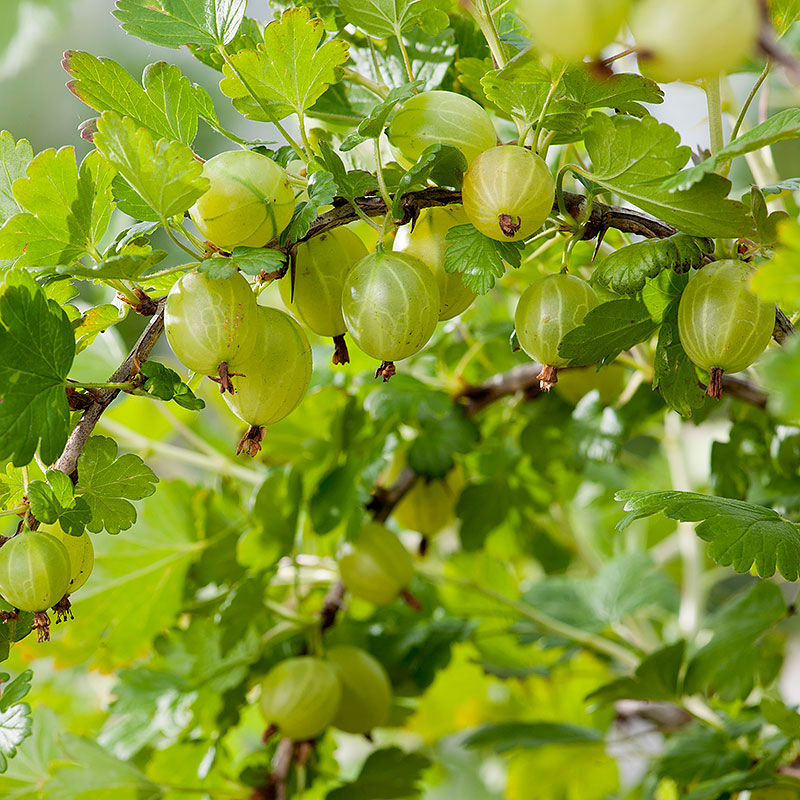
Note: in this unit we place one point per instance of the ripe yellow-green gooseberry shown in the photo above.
(321, 265)
(209, 322)
(685, 40)
(430, 504)
(81, 554)
(547, 310)
(722, 325)
(390, 303)
(441, 117)
(508, 193)
(572, 29)
(366, 690)
(376, 567)
(272, 380)
(301, 696)
(427, 242)
(34, 571)
(248, 203)
(609, 381)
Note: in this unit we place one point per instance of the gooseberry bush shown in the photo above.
(468, 462)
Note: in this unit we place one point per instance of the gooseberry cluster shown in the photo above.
(39, 569)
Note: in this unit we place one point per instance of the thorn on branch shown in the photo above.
(146, 306)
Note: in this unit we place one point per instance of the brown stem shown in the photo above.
(340, 353)
(331, 605)
(714, 389)
(68, 460)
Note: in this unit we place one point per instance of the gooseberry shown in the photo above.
(547, 310)
(273, 378)
(34, 571)
(722, 325)
(301, 696)
(366, 690)
(210, 322)
(81, 554)
(390, 303)
(683, 40)
(572, 29)
(248, 203)
(321, 266)
(376, 567)
(441, 118)
(508, 192)
(427, 242)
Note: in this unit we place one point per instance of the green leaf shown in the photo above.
(371, 127)
(165, 174)
(384, 18)
(37, 347)
(95, 321)
(778, 280)
(166, 384)
(607, 330)
(479, 259)
(387, 774)
(321, 191)
(171, 23)
(726, 665)
(165, 103)
(129, 202)
(655, 679)
(482, 507)
(15, 726)
(288, 72)
(138, 579)
(504, 736)
(14, 160)
(107, 483)
(675, 376)
(622, 91)
(66, 211)
(54, 501)
(520, 88)
(250, 260)
(626, 270)
(443, 164)
(630, 155)
(275, 512)
(776, 713)
(739, 534)
(16, 690)
(700, 753)
(783, 125)
(352, 184)
(781, 375)
(767, 224)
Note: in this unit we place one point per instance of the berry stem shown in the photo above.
(716, 138)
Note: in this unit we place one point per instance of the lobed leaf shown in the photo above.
(779, 127)
(504, 736)
(66, 211)
(166, 384)
(166, 102)
(479, 259)
(14, 160)
(108, 483)
(288, 72)
(778, 280)
(37, 347)
(385, 18)
(630, 155)
(626, 270)
(739, 534)
(165, 174)
(387, 774)
(172, 23)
